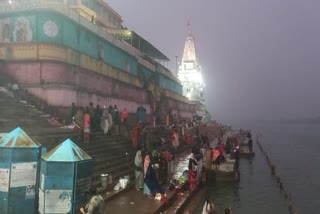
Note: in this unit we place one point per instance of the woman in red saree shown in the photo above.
(192, 172)
(135, 134)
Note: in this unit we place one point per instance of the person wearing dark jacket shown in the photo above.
(250, 142)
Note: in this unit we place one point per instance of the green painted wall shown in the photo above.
(49, 27)
(169, 84)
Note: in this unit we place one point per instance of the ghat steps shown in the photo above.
(112, 154)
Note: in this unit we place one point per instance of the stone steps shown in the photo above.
(108, 152)
(108, 155)
(17, 114)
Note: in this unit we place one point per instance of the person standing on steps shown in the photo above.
(96, 118)
(167, 119)
(192, 176)
(175, 139)
(78, 122)
(124, 122)
(116, 121)
(111, 117)
(15, 90)
(138, 162)
(237, 158)
(136, 135)
(91, 113)
(74, 110)
(250, 142)
(104, 121)
(86, 126)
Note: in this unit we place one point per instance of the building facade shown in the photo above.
(65, 51)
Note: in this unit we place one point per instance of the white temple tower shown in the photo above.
(190, 72)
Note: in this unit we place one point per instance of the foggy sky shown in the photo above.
(260, 58)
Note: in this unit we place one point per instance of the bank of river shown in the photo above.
(293, 147)
(257, 191)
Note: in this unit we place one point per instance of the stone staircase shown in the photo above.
(17, 114)
(112, 154)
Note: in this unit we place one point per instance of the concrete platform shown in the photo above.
(245, 152)
(224, 172)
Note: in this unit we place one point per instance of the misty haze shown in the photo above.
(159, 106)
(260, 59)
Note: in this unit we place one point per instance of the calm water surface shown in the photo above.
(294, 148)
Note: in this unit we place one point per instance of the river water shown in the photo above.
(294, 148)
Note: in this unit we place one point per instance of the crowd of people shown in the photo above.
(109, 120)
(154, 169)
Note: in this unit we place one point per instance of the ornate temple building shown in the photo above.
(190, 72)
(190, 75)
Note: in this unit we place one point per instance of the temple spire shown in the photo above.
(189, 53)
(190, 71)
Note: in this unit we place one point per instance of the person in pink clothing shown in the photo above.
(86, 126)
(175, 139)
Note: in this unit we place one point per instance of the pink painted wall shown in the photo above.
(25, 73)
(64, 97)
(95, 82)
(32, 72)
(56, 73)
(55, 96)
(93, 87)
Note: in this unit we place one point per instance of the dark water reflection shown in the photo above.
(294, 149)
(257, 191)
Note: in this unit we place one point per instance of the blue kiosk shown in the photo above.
(19, 158)
(65, 175)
